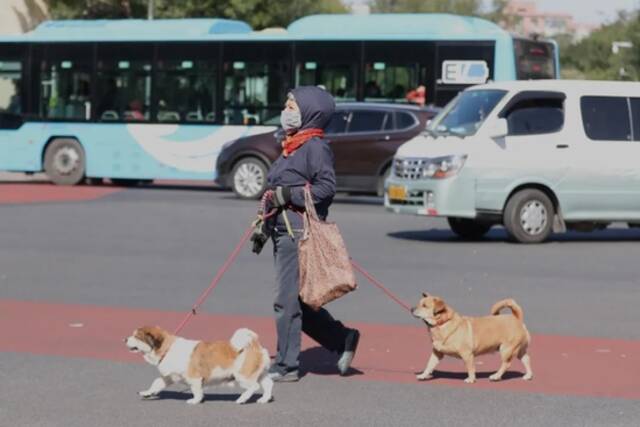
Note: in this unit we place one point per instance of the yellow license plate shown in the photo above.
(397, 192)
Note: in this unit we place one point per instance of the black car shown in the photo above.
(364, 138)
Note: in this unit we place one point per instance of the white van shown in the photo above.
(535, 156)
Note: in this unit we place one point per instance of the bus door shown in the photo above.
(11, 103)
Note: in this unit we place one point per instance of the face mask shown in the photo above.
(290, 120)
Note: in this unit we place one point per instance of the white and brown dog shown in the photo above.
(196, 363)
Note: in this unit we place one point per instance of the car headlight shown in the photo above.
(443, 167)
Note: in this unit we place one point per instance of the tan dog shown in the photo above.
(466, 337)
(241, 359)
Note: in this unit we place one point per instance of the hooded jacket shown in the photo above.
(312, 162)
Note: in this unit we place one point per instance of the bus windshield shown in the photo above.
(464, 115)
(534, 60)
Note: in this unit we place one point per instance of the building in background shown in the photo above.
(525, 18)
(20, 16)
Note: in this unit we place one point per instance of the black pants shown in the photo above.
(292, 315)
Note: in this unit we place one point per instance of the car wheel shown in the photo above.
(64, 162)
(249, 178)
(383, 178)
(468, 228)
(528, 216)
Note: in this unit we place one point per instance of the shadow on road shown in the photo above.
(318, 361)
(499, 235)
(509, 375)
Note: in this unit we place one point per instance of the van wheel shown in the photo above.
(528, 216)
(468, 228)
(64, 162)
(249, 178)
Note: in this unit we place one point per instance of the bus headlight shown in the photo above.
(444, 167)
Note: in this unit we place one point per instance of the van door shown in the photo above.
(604, 183)
(535, 148)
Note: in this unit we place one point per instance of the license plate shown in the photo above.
(397, 192)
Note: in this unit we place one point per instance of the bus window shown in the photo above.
(334, 66)
(534, 60)
(10, 72)
(256, 81)
(123, 82)
(65, 81)
(392, 70)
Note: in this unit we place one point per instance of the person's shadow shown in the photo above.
(448, 375)
(319, 361)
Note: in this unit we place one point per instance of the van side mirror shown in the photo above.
(499, 129)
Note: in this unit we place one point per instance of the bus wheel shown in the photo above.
(528, 216)
(249, 178)
(468, 228)
(64, 162)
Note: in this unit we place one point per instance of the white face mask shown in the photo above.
(290, 120)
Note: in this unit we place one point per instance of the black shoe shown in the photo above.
(350, 347)
(278, 376)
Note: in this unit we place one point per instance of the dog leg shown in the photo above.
(250, 388)
(156, 387)
(267, 389)
(435, 358)
(471, 367)
(506, 354)
(196, 389)
(526, 361)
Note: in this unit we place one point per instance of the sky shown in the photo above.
(588, 11)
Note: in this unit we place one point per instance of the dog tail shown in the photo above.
(512, 305)
(243, 338)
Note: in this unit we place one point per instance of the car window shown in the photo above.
(404, 120)
(635, 117)
(606, 118)
(388, 123)
(366, 121)
(536, 116)
(338, 122)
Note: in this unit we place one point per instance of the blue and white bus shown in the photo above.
(134, 100)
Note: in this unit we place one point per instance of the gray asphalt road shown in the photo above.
(159, 248)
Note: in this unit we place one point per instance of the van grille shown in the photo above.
(410, 168)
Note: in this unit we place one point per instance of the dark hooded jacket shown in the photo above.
(312, 162)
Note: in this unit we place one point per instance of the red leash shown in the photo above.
(380, 286)
(225, 266)
(234, 254)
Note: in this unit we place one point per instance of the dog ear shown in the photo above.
(425, 295)
(439, 306)
(153, 337)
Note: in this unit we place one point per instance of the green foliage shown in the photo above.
(460, 7)
(592, 57)
(258, 13)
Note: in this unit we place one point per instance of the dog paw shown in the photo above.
(470, 380)
(495, 377)
(265, 399)
(423, 377)
(528, 377)
(194, 401)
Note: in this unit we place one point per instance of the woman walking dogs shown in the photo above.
(306, 158)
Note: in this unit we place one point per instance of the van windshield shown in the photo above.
(464, 115)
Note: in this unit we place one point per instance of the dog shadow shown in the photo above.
(448, 375)
(319, 361)
(208, 397)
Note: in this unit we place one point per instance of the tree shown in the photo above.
(258, 13)
(460, 7)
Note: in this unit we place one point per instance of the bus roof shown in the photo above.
(425, 26)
